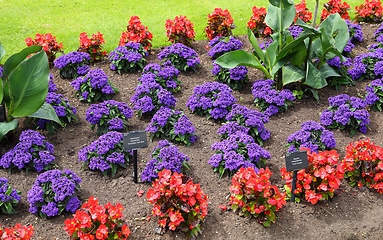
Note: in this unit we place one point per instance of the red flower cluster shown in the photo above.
(94, 221)
(369, 12)
(303, 12)
(335, 6)
(363, 165)
(18, 232)
(257, 23)
(254, 195)
(180, 30)
(136, 32)
(49, 44)
(320, 180)
(178, 202)
(92, 45)
(219, 23)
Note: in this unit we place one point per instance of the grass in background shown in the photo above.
(67, 19)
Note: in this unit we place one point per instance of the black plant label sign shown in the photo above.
(296, 161)
(135, 140)
(2, 113)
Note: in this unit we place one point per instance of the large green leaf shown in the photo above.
(14, 60)
(46, 111)
(281, 15)
(28, 85)
(328, 71)
(238, 58)
(295, 46)
(1, 91)
(5, 127)
(254, 43)
(278, 2)
(2, 52)
(291, 74)
(314, 77)
(337, 30)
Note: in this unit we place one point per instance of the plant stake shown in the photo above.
(294, 162)
(132, 141)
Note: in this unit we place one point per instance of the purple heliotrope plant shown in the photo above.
(94, 86)
(54, 192)
(64, 112)
(211, 99)
(269, 100)
(165, 75)
(181, 57)
(238, 150)
(346, 112)
(128, 58)
(312, 136)
(172, 125)
(110, 115)
(32, 152)
(105, 154)
(164, 156)
(251, 119)
(374, 94)
(73, 64)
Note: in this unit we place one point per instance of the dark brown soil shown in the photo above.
(352, 214)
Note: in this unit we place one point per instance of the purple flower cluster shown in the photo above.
(1, 72)
(108, 116)
(173, 125)
(374, 94)
(367, 65)
(166, 76)
(51, 85)
(312, 136)
(264, 45)
(64, 111)
(345, 111)
(251, 119)
(341, 68)
(32, 152)
(53, 192)
(211, 99)
(236, 78)
(128, 58)
(149, 97)
(295, 31)
(181, 57)
(105, 154)
(73, 64)
(356, 36)
(230, 128)
(220, 45)
(378, 34)
(9, 197)
(94, 86)
(268, 99)
(238, 150)
(164, 156)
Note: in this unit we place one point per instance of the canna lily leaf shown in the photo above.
(28, 85)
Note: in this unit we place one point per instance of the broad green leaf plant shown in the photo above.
(24, 86)
(287, 60)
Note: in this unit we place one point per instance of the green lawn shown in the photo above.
(66, 19)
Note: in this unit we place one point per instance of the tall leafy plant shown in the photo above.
(288, 60)
(24, 86)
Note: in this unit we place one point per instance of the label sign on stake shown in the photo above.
(132, 141)
(135, 140)
(294, 162)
